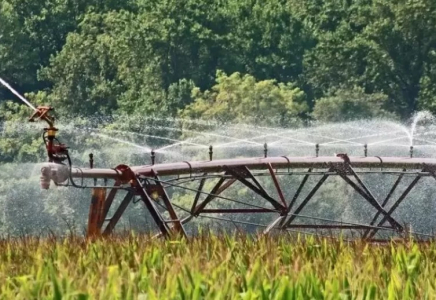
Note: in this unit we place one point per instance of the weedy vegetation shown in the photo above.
(215, 267)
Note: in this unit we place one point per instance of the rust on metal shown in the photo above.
(155, 193)
(96, 211)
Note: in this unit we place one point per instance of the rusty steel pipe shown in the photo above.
(180, 168)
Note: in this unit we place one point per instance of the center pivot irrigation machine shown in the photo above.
(150, 184)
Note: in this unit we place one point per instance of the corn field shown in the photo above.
(215, 267)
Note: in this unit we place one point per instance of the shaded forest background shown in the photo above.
(273, 63)
(231, 60)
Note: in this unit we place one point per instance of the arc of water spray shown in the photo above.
(420, 115)
(177, 142)
(203, 133)
(16, 93)
(362, 137)
(422, 140)
(389, 140)
(146, 149)
(248, 140)
(291, 139)
(348, 141)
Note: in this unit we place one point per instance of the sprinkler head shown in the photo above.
(411, 151)
(91, 160)
(153, 157)
(210, 152)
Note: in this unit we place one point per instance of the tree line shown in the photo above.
(276, 61)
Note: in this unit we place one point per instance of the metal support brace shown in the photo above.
(118, 213)
(108, 203)
(235, 210)
(197, 196)
(277, 185)
(371, 200)
(145, 197)
(216, 191)
(365, 193)
(95, 211)
(305, 201)
(177, 224)
(394, 207)
(300, 188)
(272, 224)
(258, 189)
(385, 202)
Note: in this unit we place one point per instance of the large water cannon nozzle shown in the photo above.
(42, 113)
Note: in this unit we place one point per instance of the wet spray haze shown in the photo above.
(143, 140)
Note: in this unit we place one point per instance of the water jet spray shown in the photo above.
(56, 151)
(152, 183)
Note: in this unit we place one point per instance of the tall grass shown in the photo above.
(215, 267)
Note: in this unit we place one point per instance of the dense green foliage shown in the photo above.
(212, 267)
(270, 63)
(147, 56)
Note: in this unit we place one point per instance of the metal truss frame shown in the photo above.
(152, 189)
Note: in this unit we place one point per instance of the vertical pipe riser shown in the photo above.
(96, 212)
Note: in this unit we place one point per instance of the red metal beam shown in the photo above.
(178, 226)
(235, 210)
(118, 213)
(277, 185)
(321, 162)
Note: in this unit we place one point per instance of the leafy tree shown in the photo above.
(34, 30)
(350, 104)
(383, 46)
(84, 73)
(267, 40)
(240, 98)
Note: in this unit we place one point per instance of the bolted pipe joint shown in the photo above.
(45, 178)
(56, 172)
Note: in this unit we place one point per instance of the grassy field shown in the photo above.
(212, 267)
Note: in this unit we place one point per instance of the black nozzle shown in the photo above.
(91, 160)
(153, 157)
(317, 150)
(265, 150)
(210, 152)
(365, 150)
